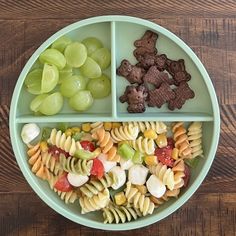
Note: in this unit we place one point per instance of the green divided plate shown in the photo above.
(118, 33)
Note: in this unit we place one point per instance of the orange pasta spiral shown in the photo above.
(181, 140)
(35, 160)
(106, 144)
(178, 170)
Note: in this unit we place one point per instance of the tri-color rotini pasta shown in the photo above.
(144, 162)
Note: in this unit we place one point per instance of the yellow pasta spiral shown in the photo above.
(166, 175)
(66, 143)
(51, 163)
(75, 165)
(113, 213)
(67, 197)
(106, 144)
(94, 203)
(35, 160)
(178, 170)
(195, 139)
(96, 125)
(139, 200)
(144, 145)
(181, 140)
(157, 126)
(126, 132)
(96, 186)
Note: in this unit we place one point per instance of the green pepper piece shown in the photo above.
(62, 126)
(192, 162)
(125, 151)
(46, 133)
(77, 136)
(84, 154)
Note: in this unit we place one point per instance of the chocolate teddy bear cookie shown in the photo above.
(146, 45)
(132, 73)
(135, 97)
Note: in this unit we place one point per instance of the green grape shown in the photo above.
(65, 73)
(50, 78)
(81, 101)
(75, 54)
(61, 43)
(72, 85)
(100, 87)
(91, 69)
(103, 57)
(54, 57)
(92, 44)
(33, 81)
(52, 104)
(36, 102)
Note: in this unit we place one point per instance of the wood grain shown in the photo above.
(208, 27)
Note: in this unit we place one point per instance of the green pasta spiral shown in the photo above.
(75, 165)
(117, 214)
(96, 186)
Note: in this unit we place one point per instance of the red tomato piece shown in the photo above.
(63, 184)
(170, 143)
(97, 168)
(187, 175)
(55, 151)
(164, 156)
(87, 145)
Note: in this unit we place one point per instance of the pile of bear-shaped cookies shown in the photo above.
(155, 79)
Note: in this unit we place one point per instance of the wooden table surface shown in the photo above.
(208, 27)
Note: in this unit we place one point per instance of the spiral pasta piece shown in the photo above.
(143, 145)
(126, 132)
(139, 200)
(158, 126)
(75, 165)
(106, 144)
(60, 140)
(166, 175)
(67, 197)
(96, 186)
(181, 140)
(95, 126)
(94, 203)
(51, 163)
(178, 170)
(113, 213)
(195, 139)
(35, 160)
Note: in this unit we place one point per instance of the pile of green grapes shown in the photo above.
(56, 79)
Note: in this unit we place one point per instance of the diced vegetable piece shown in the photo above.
(63, 126)
(164, 156)
(192, 162)
(68, 132)
(43, 146)
(97, 169)
(120, 198)
(150, 160)
(125, 151)
(84, 154)
(155, 186)
(107, 126)
(63, 184)
(119, 175)
(77, 136)
(116, 125)
(161, 140)
(187, 175)
(138, 174)
(150, 134)
(77, 180)
(46, 133)
(75, 129)
(87, 145)
(86, 127)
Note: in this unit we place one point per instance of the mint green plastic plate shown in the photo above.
(118, 33)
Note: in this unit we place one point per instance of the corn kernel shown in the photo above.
(150, 134)
(68, 132)
(150, 160)
(161, 141)
(86, 127)
(75, 130)
(175, 154)
(120, 198)
(141, 188)
(43, 146)
(116, 125)
(107, 126)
